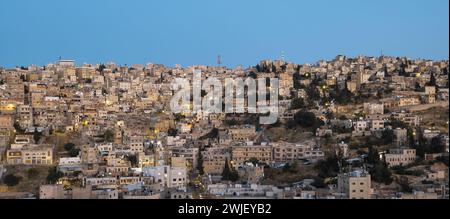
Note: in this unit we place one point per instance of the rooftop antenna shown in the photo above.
(282, 56)
(219, 60)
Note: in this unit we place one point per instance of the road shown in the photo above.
(422, 107)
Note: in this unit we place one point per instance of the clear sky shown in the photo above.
(242, 31)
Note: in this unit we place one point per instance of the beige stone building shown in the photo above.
(400, 136)
(242, 133)
(51, 192)
(89, 154)
(400, 156)
(288, 152)
(355, 185)
(241, 154)
(25, 116)
(30, 155)
(214, 160)
(6, 122)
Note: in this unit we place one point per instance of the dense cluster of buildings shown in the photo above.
(129, 145)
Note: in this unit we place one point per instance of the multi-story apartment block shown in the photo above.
(241, 154)
(287, 152)
(30, 155)
(400, 156)
(167, 177)
(355, 185)
(25, 116)
(242, 133)
(214, 160)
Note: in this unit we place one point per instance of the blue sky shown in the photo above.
(195, 31)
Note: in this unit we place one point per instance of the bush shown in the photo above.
(307, 120)
(328, 167)
(380, 173)
(74, 152)
(297, 103)
(69, 146)
(109, 135)
(11, 180)
(404, 184)
(319, 183)
(172, 132)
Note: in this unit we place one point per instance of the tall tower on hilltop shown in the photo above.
(219, 60)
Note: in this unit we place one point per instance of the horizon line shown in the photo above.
(225, 65)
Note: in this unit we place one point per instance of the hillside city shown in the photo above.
(348, 128)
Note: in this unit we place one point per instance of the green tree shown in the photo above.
(343, 96)
(203, 93)
(101, 68)
(133, 160)
(436, 145)
(313, 92)
(172, 132)
(54, 175)
(109, 135)
(74, 152)
(328, 167)
(387, 136)
(252, 75)
(71, 149)
(373, 156)
(200, 168)
(11, 180)
(319, 182)
(297, 78)
(18, 128)
(307, 119)
(432, 81)
(381, 173)
(258, 68)
(37, 136)
(297, 103)
(404, 184)
(229, 174)
(69, 146)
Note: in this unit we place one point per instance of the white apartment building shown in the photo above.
(167, 177)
